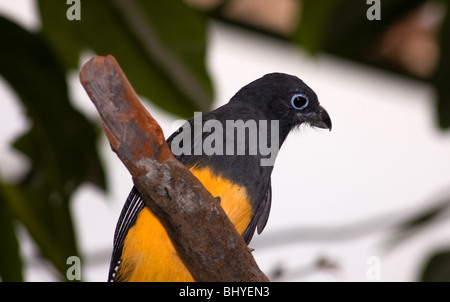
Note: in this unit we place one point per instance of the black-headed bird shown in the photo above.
(231, 150)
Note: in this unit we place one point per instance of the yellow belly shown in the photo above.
(148, 253)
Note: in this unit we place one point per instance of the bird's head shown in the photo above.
(285, 98)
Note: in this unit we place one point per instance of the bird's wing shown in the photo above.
(133, 205)
(260, 217)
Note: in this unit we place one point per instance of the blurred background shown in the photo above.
(369, 201)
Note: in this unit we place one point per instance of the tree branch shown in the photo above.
(202, 234)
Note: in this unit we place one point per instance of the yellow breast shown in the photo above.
(148, 253)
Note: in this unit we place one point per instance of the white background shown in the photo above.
(335, 192)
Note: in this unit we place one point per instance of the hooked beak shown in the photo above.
(320, 119)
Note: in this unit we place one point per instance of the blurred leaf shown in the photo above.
(160, 44)
(18, 204)
(350, 34)
(60, 144)
(313, 21)
(10, 261)
(442, 75)
(426, 216)
(437, 268)
(418, 222)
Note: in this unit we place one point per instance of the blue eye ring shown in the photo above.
(299, 101)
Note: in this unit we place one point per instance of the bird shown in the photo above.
(235, 173)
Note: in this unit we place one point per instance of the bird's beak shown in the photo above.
(321, 119)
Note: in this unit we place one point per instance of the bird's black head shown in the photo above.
(285, 98)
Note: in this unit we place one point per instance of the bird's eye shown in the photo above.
(299, 101)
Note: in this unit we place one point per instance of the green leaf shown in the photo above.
(160, 44)
(17, 203)
(61, 143)
(314, 19)
(10, 261)
(437, 268)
